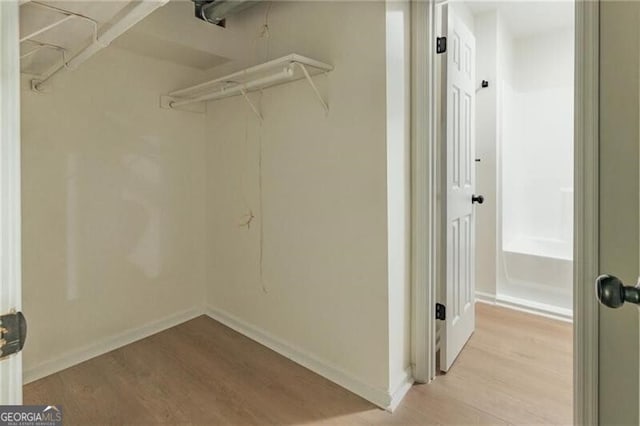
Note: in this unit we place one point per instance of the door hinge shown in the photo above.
(441, 44)
(441, 311)
(13, 333)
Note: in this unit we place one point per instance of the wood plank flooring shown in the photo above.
(516, 369)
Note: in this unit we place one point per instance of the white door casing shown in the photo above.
(10, 251)
(459, 218)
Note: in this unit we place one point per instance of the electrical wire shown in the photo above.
(262, 35)
(260, 206)
(249, 216)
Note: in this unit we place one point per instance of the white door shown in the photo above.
(619, 209)
(10, 264)
(460, 183)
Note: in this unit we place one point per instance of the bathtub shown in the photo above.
(537, 273)
(534, 265)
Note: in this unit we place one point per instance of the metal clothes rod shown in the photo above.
(238, 89)
(258, 77)
(254, 69)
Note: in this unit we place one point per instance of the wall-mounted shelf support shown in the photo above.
(40, 45)
(46, 27)
(313, 86)
(138, 12)
(68, 16)
(253, 107)
(278, 71)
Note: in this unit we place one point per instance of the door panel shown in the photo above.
(460, 182)
(10, 264)
(619, 201)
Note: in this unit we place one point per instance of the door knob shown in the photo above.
(611, 292)
(477, 199)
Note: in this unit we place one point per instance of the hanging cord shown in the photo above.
(260, 205)
(264, 32)
(248, 217)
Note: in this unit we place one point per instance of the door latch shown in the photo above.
(13, 333)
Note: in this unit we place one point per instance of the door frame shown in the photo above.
(426, 259)
(10, 219)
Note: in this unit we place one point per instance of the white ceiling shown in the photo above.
(526, 17)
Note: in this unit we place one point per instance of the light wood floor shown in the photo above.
(516, 369)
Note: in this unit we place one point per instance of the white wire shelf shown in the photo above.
(272, 73)
(132, 13)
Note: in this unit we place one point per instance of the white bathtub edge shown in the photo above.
(536, 308)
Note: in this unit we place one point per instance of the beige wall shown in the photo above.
(322, 217)
(133, 213)
(113, 204)
(619, 177)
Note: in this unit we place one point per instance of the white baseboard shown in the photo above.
(103, 346)
(524, 305)
(400, 390)
(387, 400)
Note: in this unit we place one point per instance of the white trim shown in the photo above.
(388, 400)
(586, 202)
(385, 399)
(109, 344)
(484, 297)
(401, 390)
(424, 223)
(586, 221)
(528, 306)
(10, 220)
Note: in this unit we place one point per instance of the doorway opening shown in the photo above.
(507, 114)
(524, 131)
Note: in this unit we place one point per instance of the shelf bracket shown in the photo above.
(313, 86)
(40, 46)
(68, 15)
(253, 107)
(46, 28)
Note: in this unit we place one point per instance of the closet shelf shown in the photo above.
(131, 14)
(272, 73)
